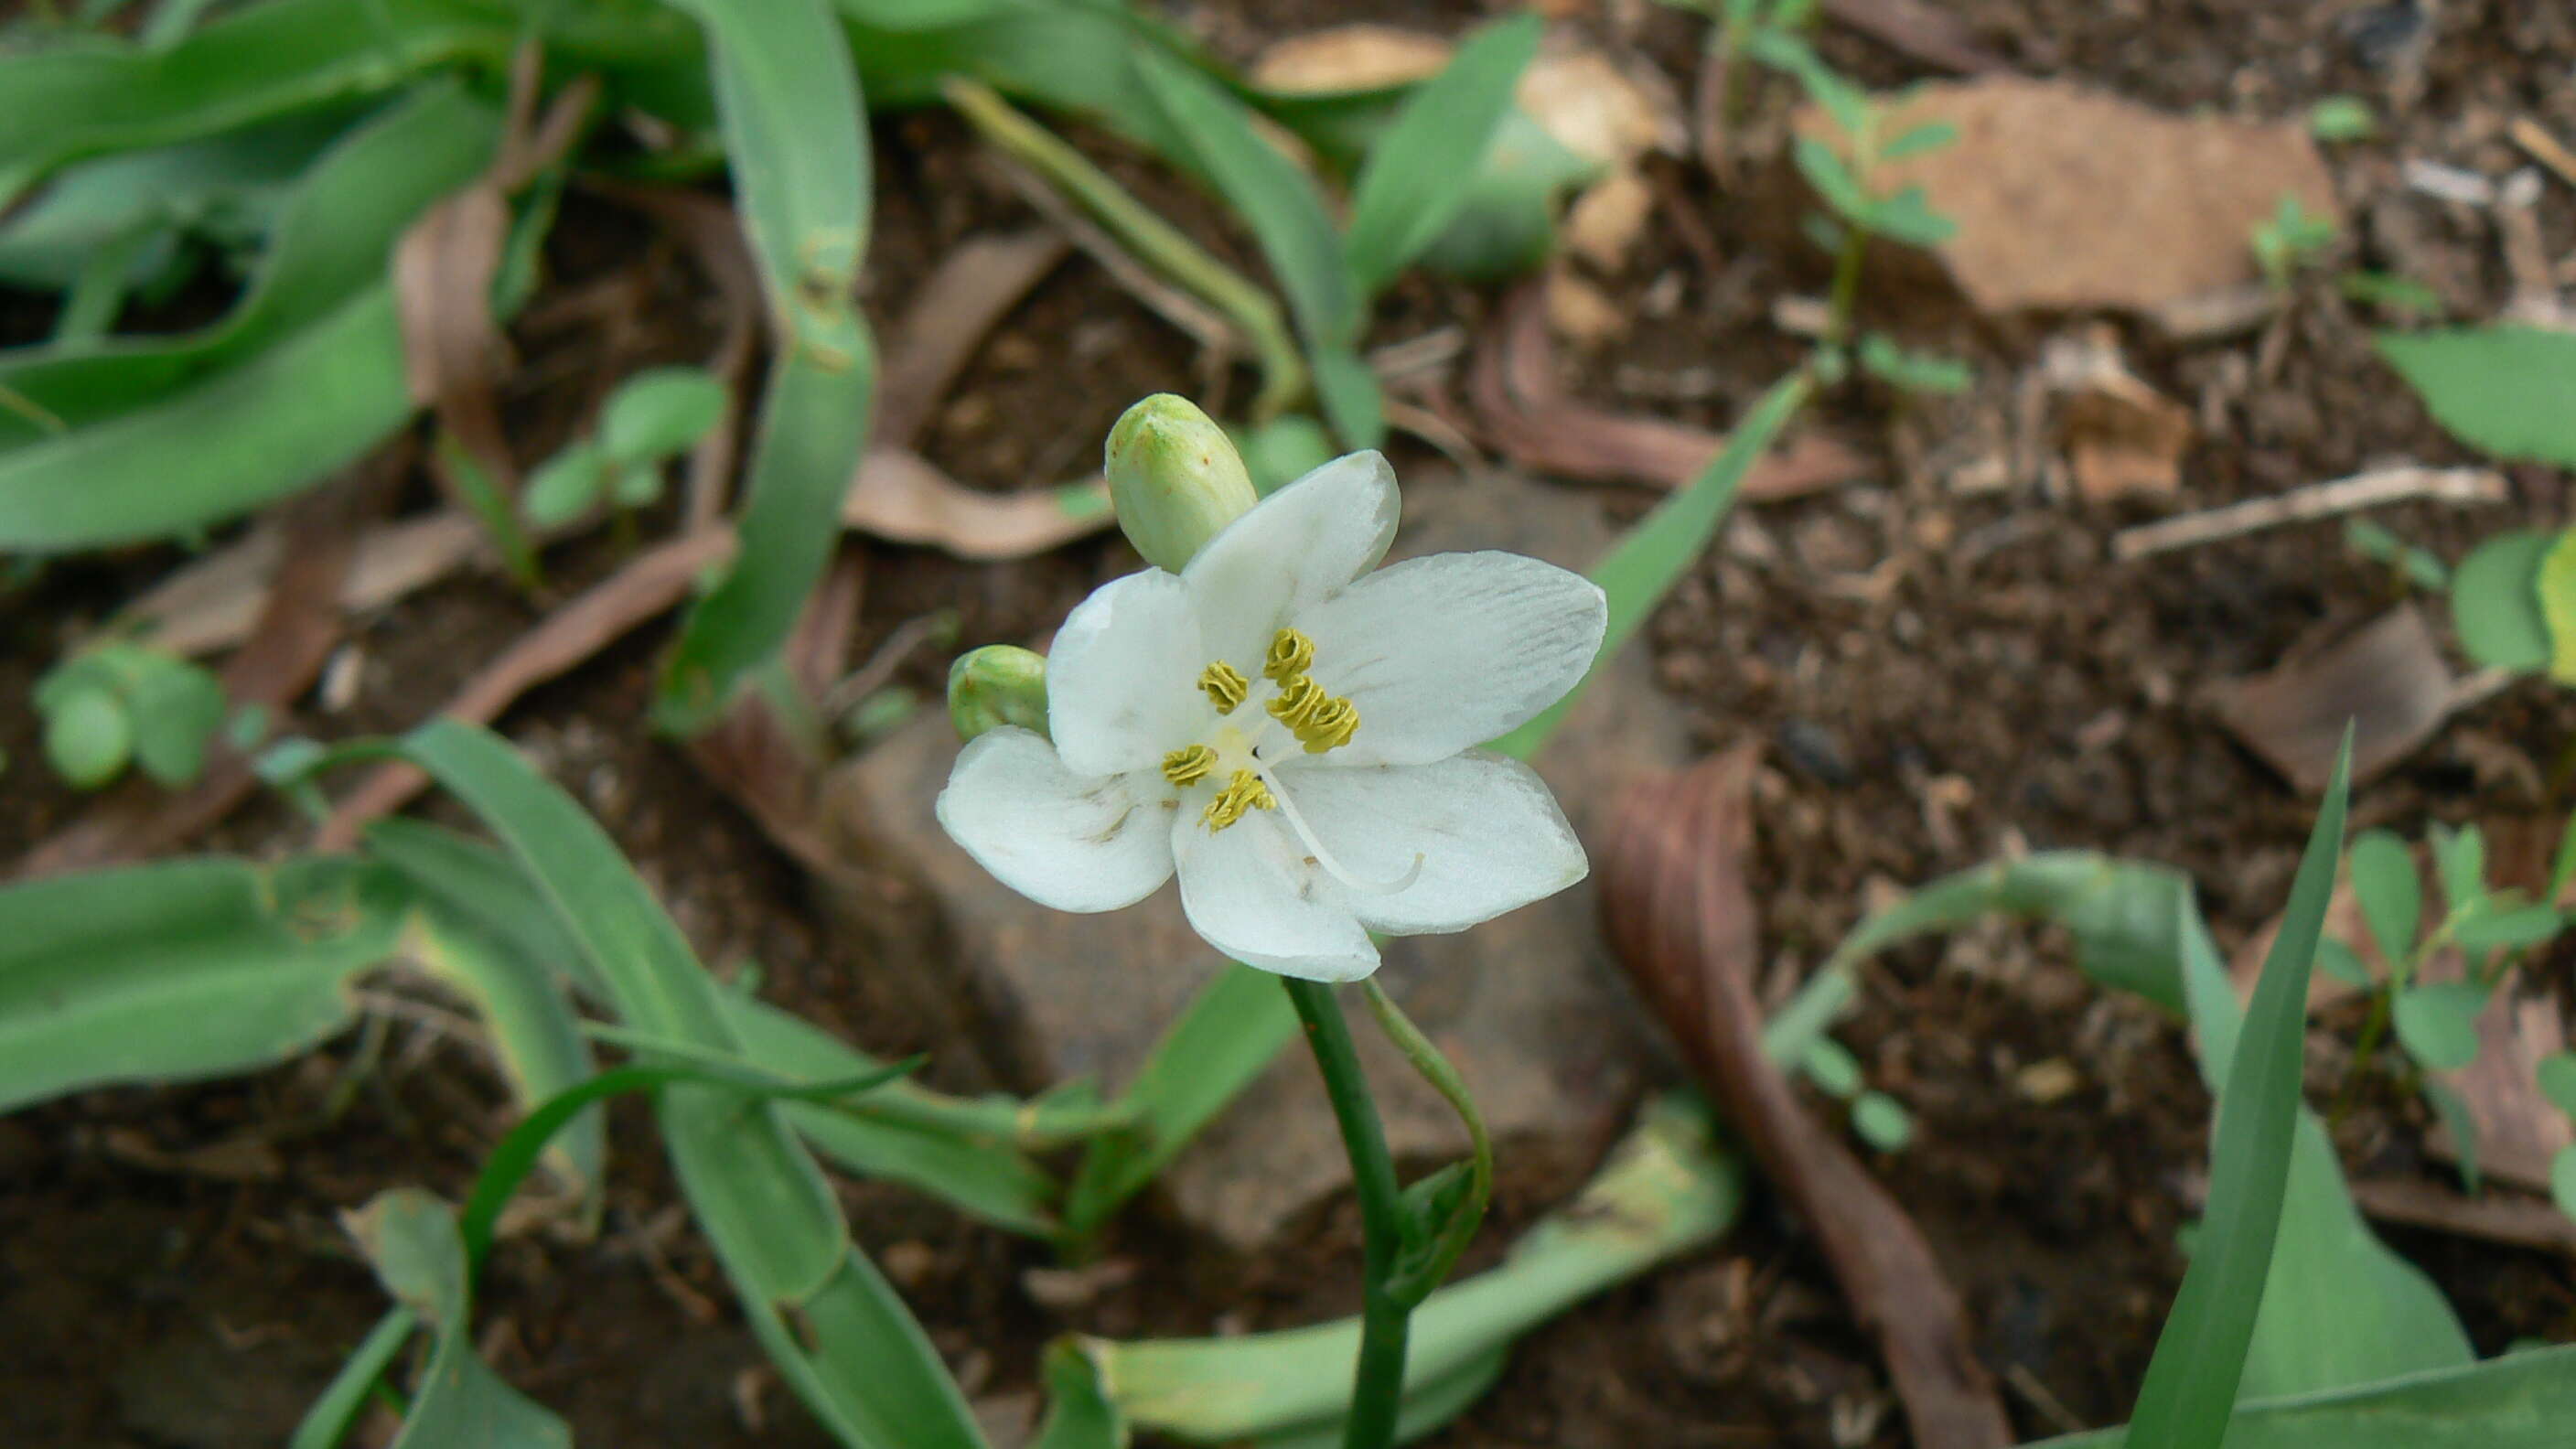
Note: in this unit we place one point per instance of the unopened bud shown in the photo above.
(999, 684)
(1174, 478)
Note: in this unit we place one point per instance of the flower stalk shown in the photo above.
(1377, 1386)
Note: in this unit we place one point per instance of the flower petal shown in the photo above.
(1073, 842)
(1442, 653)
(1122, 677)
(1251, 892)
(1489, 833)
(1292, 551)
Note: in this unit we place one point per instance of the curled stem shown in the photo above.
(1444, 1079)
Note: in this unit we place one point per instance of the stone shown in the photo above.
(2071, 200)
(1529, 1007)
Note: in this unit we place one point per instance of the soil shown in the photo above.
(1942, 675)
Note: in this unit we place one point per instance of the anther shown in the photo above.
(1291, 653)
(1189, 764)
(1244, 792)
(1225, 685)
(1332, 728)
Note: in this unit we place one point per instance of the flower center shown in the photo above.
(1318, 720)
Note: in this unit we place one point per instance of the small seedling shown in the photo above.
(2290, 242)
(2492, 929)
(2342, 118)
(652, 418)
(2413, 565)
(122, 703)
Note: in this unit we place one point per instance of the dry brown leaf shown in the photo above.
(902, 497)
(974, 287)
(1348, 58)
(1682, 923)
(2122, 437)
(2069, 199)
(1524, 413)
(213, 603)
(1918, 29)
(2386, 679)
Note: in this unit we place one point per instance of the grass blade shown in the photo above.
(177, 971)
(797, 141)
(1287, 218)
(2191, 1382)
(854, 1353)
(2520, 1401)
(412, 1239)
(1420, 173)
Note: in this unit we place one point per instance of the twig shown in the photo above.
(652, 583)
(2321, 500)
(2543, 147)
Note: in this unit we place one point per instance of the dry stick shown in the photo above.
(655, 581)
(1683, 925)
(2543, 147)
(2319, 500)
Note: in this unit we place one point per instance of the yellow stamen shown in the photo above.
(1244, 792)
(1333, 727)
(1189, 764)
(1225, 685)
(1290, 655)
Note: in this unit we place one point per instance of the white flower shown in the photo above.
(1296, 735)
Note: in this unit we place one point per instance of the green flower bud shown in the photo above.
(999, 684)
(1174, 478)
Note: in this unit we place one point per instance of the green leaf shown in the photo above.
(2453, 1110)
(2342, 118)
(2343, 963)
(1666, 1189)
(797, 141)
(657, 414)
(1920, 140)
(2495, 601)
(1882, 1121)
(2517, 929)
(2557, 584)
(1831, 1066)
(1287, 218)
(564, 486)
(2439, 1023)
(412, 1239)
(2519, 1401)
(1421, 171)
(2557, 1078)
(89, 737)
(2506, 391)
(2390, 891)
(334, 234)
(2460, 863)
(2201, 1353)
(1913, 371)
(1507, 224)
(176, 707)
(173, 972)
(1908, 217)
(855, 1355)
(2562, 1180)
(1835, 185)
(536, 1038)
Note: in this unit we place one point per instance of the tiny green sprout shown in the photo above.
(118, 703)
(652, 418)
(1910, 371)
(2413, 566)
(997, 685)
(1882, 1121)
(2289, 241)
(2342, 118)
(2390, 293)
(1174, 479)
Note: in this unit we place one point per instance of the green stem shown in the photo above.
(1846, 294)
(2362, 1052)
(1378, 1385)
(1421, 1278)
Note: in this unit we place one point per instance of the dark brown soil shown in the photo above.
(1942, 676)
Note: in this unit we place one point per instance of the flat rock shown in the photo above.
(1529, 1006)
(2071, 200)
